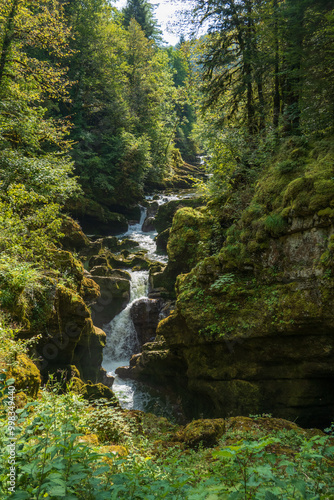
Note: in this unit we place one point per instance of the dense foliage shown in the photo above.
(267, 74)
(91, 102)
(67, 448)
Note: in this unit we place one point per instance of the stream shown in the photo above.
(122, 339)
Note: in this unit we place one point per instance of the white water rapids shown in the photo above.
(122, 339)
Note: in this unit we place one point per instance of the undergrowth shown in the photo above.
(68, 448)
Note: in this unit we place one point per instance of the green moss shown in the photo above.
(286, 166)
(324, 186)
(275, 224)
(319, 201)
(326, 212)
(26, 374)
(189, 240)
(98, 391)
(205, 432)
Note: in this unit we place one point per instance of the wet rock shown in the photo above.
(145, 315)
(148, 225)
(152, 209)
(118, 288)
(110, 242)
(157, 293)
(127, 244)
(138, 261)
(149, 222)
(106, 379)
(162, 240)
(115, 294)
(101, 270)
(98, 260)
(123, 372)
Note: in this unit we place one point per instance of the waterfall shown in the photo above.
(122, 339)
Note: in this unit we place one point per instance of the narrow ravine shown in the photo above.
(122, 339)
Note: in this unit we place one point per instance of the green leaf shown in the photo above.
(227, 453)
(300, 485)
(270, 496)
(21, 495)
(57, 491)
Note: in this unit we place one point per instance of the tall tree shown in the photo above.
(142, 12)
(232, 65)
(35, 169)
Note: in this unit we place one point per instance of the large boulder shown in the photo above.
(70, 337)
(205, 432)
(26, 374)
(148, 225)
(165, 214)
(97, 219)
(149, 222)
(145, 314)
(94, 392)
(74, 238)
(114, 296)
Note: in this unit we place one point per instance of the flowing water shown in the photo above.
(122, 339)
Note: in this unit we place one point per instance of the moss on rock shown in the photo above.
(205, 432)
(26, 374)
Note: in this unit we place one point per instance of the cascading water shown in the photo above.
(122, 339)
(122, 342)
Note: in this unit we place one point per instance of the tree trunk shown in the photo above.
(293, 58)
(277, 97)
(8, 38)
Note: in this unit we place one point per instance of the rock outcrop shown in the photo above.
(253, 327)
(145, 314)
(97, 219)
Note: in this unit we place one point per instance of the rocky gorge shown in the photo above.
(252, 329)
(238, 321)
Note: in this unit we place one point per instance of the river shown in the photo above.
(122, 339)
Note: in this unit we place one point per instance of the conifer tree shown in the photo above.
(143, 13)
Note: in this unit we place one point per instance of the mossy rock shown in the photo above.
(189, 239)
(205, 432)
(26, 374)
(162, 240)
(98, 391)
(76, 385)
(127, 244)
(90, 290)
(101, 270)
(110, 242)
(164, 217)
(98, 260)
(68, 266)
(118, 288)
(97, 219)
(74, 237)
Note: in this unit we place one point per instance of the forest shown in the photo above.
(225, 143)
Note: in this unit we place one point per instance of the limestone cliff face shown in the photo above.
(253, 327)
